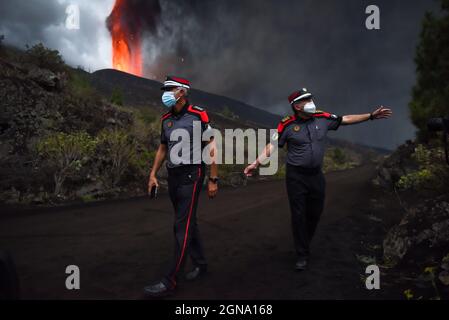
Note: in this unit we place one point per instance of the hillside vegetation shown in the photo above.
(60, 139)
(66, 136)
(418, 174)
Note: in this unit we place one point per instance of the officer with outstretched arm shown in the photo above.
(186, 172)
(304, 132)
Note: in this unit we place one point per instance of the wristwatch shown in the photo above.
(371, 116)
(213, 179)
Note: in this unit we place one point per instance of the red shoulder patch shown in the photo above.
(200, 112)
(285, 122)
(165, 115)
(322, 114)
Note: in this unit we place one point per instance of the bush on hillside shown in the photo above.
(45, 58)
(432, 172)
(64, 155)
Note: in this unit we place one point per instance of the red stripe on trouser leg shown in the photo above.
(178, 265)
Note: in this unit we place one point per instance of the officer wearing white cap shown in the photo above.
(185, 179)
(304, 132)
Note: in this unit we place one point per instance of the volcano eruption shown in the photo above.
(127, 23)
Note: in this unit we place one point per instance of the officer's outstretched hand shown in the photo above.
(249, 169)
(152, 182)
(212, 189)
(382, 113)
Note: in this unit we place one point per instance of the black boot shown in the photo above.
(301, 264)
(158, 290)
(196, 273)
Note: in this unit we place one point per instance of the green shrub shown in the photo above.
(65, 154)
(339, 156)
(337, 159)
(117, 97)
(148, 116)
(79, 85)
(142, 162)
(88, 198)
(415, 179)
(45, 58)
(147, 128)
(117, 150)
(431, 172)
(227, 113)
(121, 155)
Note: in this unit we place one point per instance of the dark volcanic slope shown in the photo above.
(140, 91)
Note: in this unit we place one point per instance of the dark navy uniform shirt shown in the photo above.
(306, 138)
(187, 152)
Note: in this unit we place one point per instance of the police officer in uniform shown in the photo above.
(186, 172)
(304, 133)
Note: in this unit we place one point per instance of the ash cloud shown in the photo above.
(256, 51)
(139, 16)
(260, 51)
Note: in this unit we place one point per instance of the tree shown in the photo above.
(430, 96)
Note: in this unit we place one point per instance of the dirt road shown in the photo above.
(122, 246)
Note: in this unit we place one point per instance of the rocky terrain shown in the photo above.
(416, 247)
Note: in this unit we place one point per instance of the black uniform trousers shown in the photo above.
(184, 186)
(306, 193)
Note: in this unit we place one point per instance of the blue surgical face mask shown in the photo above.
(168, 99)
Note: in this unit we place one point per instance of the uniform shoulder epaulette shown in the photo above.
(165, 116)
(286, 119)
(198, 108)
(285, 122)
(323, 114)
(200, 112)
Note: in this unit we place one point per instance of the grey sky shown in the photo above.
(257, 51)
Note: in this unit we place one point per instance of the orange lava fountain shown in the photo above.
(126, 41)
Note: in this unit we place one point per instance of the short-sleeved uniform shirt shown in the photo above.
(306, 138)
(190, 119)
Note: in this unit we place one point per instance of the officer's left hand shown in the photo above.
(382, 113)
(212, 189)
